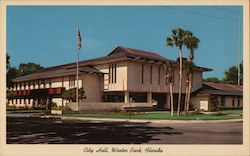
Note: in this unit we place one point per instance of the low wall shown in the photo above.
(104, 106)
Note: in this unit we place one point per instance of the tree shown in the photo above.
(231, 75)
(24, 69)
(27, 68)
(169, 67)
(191, 42)
(70, 94)
(212, 79)
(177, 39)
(11, 74)
(7, 62)
(10, 95)
(189, 66)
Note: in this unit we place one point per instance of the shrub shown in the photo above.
(53, 105)
(70, 94)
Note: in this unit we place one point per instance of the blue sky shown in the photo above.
(47, 35)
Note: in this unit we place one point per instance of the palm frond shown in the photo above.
(169, 41)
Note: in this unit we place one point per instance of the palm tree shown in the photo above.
(169, 67)
(189, 65)
(177, 39)
(191, 42)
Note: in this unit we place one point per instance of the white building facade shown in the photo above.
(124, 75)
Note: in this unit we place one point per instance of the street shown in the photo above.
(36, 130)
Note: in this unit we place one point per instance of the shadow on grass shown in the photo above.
(54, 131)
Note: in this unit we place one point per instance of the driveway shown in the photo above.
(36, 130)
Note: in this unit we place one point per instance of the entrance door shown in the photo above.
(161, 100)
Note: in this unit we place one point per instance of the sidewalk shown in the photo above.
(141, 120)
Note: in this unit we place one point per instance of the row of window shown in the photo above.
(112, 73)
(43, 83)
(19, 101)
(33, 83)
(151, 75)
(234, 103)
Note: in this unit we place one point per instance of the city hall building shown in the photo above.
(124, 75)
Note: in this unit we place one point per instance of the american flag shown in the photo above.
(78, 38)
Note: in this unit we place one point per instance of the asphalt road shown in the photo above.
(36, 130)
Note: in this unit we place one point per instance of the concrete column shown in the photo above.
(168, 102)
(126, 97)
(149, 97)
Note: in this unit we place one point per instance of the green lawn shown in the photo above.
(236, 111)
(24, 111)
(161, 116)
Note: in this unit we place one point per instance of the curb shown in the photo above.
(142, 120)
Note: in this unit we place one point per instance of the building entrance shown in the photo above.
(160, 99)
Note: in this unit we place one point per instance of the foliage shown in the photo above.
(188, 66)
(52, 105)
(169, 68)
(11, 74)
(177, 38)
(212, 79)
(7, 61)
(70, 94)
(191, 43)
(231, 75)
(27, 68)
(24, 69)
(10, 95)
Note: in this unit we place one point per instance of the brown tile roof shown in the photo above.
(136, 52)
(223, 86)
(220, 89)
(56, 73)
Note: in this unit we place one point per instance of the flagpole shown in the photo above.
(77, 70)
(238, 52)
(77, 79)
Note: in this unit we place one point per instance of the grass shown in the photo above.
(235, 111)
(24, 111)
(161, 116)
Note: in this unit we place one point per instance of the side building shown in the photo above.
(213, 96)
(123, 75)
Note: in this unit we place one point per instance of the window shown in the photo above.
(151, 70)
(71, 81)
(38, 84)
(223, 100)
(159, 75)
(43, 83)
(238, 102)
(62, 81)
(112, 73)
(115, 72)
(50, 83)
(142, 73)
(233, 102)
